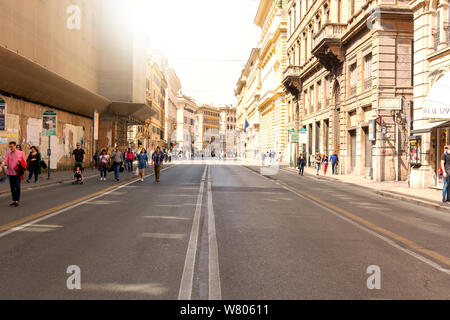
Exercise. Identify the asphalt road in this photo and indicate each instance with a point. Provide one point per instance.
(218, 231)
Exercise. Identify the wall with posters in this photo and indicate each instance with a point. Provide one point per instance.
(23, 124)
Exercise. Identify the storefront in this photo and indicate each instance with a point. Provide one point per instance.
(430, 135)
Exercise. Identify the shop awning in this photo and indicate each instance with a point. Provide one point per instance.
(27, 79)
(429, 126)
(437, 103)
(133, 113)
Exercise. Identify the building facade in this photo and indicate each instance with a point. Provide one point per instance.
(207, 138)
(272, 18)
(349, 81)
(227, 131)
(156, 98)
(248, 92)
(430, 119)
(186, 123)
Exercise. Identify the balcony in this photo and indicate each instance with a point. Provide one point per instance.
(291, 80)
(436, 39)
(327, 44)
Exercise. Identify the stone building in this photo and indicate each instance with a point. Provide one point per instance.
(272, 106)
(248, 91)
(431, 115)
(349, 65)
(227, 130)
(51, 60)
(207, 136)
(156, 99)
(186, 123)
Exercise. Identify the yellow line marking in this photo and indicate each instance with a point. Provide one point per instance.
(59, 207)
(411, 244)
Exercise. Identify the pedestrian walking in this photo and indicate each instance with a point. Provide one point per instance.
(263, 158)
(34, 164)
(117, 160)
(318, 161)
(129, 158)
(95, 159)
(170, 156)
(334, 162)
(142, 163)
(157, 162)
(17, 165)
(301, 163)
(325, 163)
(104, 164)
(79, 156)
(445, 164)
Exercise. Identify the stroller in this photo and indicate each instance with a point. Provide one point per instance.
(78, 173)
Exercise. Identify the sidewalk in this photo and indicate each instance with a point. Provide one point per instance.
(55, 178)
(398, 190)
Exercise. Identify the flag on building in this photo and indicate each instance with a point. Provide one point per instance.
(246, 125)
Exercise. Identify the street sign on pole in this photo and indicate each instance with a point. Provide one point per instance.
(49, 126)
(49, 123)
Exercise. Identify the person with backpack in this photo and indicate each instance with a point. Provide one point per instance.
(445, 164)
(117, 159)
(334, 162)
(157, 162)
(16, 163)
(301, 163)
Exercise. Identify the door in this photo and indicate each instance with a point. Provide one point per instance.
(367, 153)
(353, 149)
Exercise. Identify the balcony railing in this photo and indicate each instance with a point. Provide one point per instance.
(436, 39)
(292, 71)
(448, 34)
(367, 84)
(329, 31)
(353, 91)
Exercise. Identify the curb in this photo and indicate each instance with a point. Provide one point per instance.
(43, 185)
(389, 194)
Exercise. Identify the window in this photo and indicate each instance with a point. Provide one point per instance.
(368, 71)
(319, 95)
(353, 79)
(339, 11)
(312, 100)
(436, 30)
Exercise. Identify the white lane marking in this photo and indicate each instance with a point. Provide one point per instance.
(166, 217)
(20, 227)
(177, 236)
(215, 291)
(361, 227)
(189, 264)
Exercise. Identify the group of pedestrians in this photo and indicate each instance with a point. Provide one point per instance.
(15, 164)
(120, 161)
(270, 156)
(319, 161)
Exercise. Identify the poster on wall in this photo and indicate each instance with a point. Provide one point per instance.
(49, 123)
(2, 114)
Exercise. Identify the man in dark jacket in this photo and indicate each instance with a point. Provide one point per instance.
(301, 163)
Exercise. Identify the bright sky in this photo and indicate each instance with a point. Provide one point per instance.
(206, 41)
